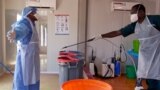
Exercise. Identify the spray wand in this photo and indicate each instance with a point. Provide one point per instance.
(79, 43)
(6, 68)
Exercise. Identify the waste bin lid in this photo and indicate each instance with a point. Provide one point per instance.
(67, 59)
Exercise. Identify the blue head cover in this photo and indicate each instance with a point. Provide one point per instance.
(28, 10)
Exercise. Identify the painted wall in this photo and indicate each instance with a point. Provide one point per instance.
(1, 30)
(56, 42)
(76, 10)
(12, 8)
(1, 53)
(82, 24)
(15, 4)
(102, 20)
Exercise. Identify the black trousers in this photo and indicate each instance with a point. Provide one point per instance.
(153, 84)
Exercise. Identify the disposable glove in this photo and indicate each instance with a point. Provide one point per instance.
(11, 35)
(98, 37)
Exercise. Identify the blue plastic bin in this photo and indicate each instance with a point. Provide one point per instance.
(68, 68)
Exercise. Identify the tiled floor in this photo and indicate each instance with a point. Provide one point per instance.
(43, 63)
(121, 83)
(43, 59)
(50, 82)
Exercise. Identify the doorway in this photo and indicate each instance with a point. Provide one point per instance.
(42, 28)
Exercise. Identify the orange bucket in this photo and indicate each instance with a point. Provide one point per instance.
(85, 84)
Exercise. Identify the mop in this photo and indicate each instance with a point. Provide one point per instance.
(6, 68)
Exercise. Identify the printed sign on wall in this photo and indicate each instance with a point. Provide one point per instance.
(62, 24)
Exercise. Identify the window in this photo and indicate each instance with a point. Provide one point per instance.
(43, 35)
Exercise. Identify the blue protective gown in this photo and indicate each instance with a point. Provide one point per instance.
(27, 69)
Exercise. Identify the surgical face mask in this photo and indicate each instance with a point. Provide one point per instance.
(37, 16)
(134, 17)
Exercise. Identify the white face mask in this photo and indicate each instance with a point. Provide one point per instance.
(37, 16)
(134, 17)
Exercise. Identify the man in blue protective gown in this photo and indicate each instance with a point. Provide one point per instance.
(27, 68)
(147, 30)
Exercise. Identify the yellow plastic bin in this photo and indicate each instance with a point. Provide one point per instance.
(85, 84)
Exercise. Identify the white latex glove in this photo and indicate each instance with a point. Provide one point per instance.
(138, 88)
(98, 37)
(11, 35)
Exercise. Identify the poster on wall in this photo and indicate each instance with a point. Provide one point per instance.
(62, 24)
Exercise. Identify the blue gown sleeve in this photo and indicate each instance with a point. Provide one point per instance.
(21, 31)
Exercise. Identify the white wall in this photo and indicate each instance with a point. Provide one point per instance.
(56, 42)
(82, 24)
(12, 7)
(1, 52)
(102, 20)
(15, 4)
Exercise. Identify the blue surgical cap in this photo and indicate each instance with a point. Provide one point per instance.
(28, 10)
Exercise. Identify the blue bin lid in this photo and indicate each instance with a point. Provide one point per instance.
(132, 53)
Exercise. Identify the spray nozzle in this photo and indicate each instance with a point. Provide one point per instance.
(64, 47)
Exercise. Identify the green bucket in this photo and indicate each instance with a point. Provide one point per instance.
(130, 72)
(136, 44)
